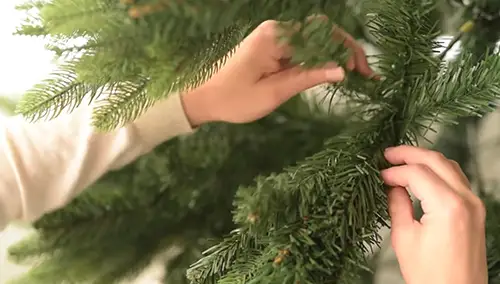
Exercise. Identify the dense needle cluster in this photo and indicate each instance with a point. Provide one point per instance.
(293, 198)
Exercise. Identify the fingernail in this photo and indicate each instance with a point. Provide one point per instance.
(335, 74)
(388, 149)
(376, 77)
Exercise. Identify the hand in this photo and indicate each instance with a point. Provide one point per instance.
(257, 79)
(448, 245)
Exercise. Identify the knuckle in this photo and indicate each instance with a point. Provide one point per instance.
(274, 65)
(437, 156)
(480, 209)
(400, 239)
(458, 208)
(454, 163)
(420, 169)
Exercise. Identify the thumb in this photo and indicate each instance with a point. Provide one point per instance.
(287, 83)
(400, 210)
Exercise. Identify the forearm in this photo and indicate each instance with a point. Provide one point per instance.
(44, 165)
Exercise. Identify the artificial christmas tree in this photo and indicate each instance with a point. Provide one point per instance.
(303, 186)
(478, 34)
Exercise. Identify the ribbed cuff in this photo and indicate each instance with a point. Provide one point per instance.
(163, 121)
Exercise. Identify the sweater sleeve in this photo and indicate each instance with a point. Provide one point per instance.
(46, 164)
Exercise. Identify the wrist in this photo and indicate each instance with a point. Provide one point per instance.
(198, 106)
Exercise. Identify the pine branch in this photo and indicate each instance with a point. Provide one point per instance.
(82, 18)
(466, 88)
(223, 254)
(175, 269)
(337, 194)
(178, 47)
(32, 24)
(331, 243)
(127, 102)
(118, 225)
(104, 62)
(62, 92)
(312, 222)
(180, 69)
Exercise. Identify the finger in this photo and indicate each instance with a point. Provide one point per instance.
(289, 82)
(285, 31)
(338, 34)
(400, 209)
(316, 17)
(351, 63)
(263, 49)
(429, 188)
(459, 170)
(285, 51)
(361, 62)
(436, 161)
(358, 57)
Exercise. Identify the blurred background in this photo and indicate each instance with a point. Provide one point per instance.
(23, 63)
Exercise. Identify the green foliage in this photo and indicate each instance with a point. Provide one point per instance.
(180, 194)
(485, 34)
(339, 201)
(137, 61)
(306, 200)
(457, 141)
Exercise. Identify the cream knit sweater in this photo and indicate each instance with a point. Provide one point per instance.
(46, 164)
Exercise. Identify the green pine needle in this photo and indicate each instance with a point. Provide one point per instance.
(307, 202)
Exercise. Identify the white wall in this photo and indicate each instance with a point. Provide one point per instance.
(23, 60)
(23, 63)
